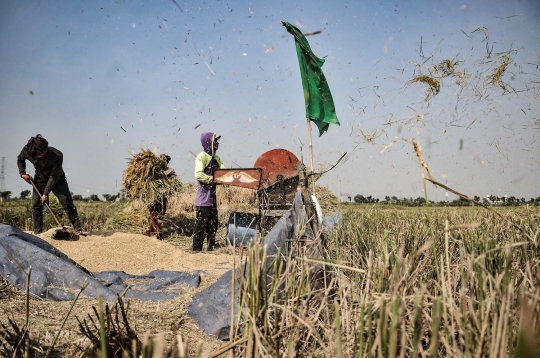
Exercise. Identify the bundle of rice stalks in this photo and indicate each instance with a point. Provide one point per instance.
(446, 68)
(496, 77)
(145, 178)
(434, 85)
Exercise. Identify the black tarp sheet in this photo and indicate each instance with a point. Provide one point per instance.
(55, 276)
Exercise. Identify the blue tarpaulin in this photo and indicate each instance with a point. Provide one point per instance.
(55, 276)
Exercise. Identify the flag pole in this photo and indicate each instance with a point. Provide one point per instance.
(306, 195)
(310, 151)
(310, 144)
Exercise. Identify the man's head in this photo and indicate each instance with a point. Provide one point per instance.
(37, 146)
(166, 157)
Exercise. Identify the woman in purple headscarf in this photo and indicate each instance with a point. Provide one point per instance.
(206, 221)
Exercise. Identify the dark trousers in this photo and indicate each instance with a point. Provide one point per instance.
(61, 191)
(206, 224)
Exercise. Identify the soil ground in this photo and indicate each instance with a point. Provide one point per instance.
(133, 254)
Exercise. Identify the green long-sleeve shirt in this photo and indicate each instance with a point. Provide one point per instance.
(50, 166)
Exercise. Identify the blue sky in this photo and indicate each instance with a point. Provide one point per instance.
(109, 78)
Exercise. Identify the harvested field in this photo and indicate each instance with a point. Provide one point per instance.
(133, 254)
(407, 281)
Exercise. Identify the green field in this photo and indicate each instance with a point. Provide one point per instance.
(407, 282)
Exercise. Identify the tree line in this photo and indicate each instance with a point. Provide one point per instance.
(27, 194)
(421, 201)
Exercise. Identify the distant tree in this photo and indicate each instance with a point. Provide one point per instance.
(464, 202)
(5, 195)
(387, 199)
(78, 197)
(94, 197)
(349, 197)
(477, 198)
(406, 202)
(122, 194)
(109, 197)
(359, 199)
(25, 193)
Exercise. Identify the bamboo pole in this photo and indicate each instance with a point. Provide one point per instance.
(310, 144)
(310, 152)
(306, 198)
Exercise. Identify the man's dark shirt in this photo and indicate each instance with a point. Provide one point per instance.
(49, 167)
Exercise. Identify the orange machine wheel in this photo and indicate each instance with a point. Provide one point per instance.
(277, 164)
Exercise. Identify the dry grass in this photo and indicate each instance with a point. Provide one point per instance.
(446, 68)
(415, 282)
(161, 321)
(180, 216)
(133, 218)
(435, 282)
(327, 199)
(434, 85)
(405, 283)
(7, 290)
(496, 77)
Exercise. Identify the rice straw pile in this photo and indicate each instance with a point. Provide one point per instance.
(134, 218)
(144, 178)
(327, 199)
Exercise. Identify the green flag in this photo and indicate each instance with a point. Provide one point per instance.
(319, 103)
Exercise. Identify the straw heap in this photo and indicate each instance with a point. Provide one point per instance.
(134, 218)
(144, 178)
